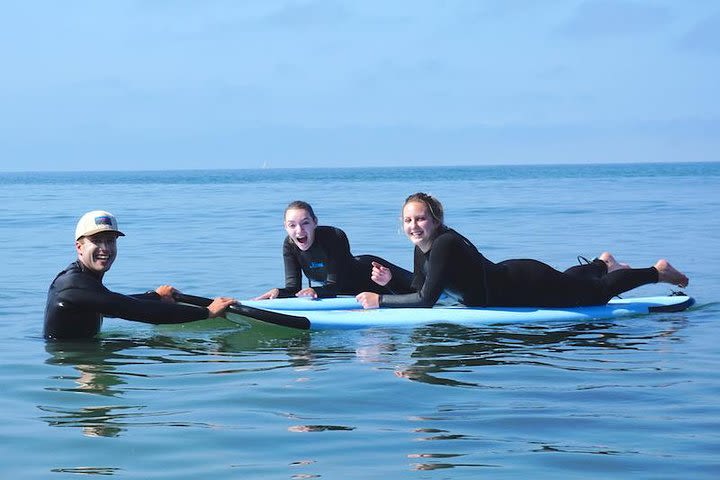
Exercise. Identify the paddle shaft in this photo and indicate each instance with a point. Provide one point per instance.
(292, 321)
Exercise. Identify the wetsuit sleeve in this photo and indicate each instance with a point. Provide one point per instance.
(293, 270)
(429, 286)
(128, 307)
(337, 247)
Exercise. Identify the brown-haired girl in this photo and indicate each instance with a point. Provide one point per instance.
(323, 254)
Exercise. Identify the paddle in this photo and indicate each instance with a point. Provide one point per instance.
(267, 316)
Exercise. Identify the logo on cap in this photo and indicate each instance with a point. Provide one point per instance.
(104, 220)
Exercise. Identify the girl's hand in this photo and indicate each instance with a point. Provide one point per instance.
(307, 292)
(368, 300)
(269, 295)
(380, 274)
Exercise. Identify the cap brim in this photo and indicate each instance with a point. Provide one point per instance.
(100, 230)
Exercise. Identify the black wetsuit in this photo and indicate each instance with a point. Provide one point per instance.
(454, 266)
(329, 262)
(77, 301)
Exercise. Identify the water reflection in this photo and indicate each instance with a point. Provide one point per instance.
(320, 428)
(533, 380)
(296, 344)
(448, 349)
(93, 360)
(98, 365)
(106, 371)
(113, 368)
(88, 470)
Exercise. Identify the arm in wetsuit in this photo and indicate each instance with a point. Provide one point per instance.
(77, 302)
(293, 270)
(427, 283)
(452, 265)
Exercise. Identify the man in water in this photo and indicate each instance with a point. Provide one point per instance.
(78, 300)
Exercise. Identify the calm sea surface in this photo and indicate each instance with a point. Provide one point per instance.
(628, 398)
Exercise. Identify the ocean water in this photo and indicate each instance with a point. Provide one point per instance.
(626, 398)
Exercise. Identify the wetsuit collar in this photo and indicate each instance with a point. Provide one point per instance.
(84, 269)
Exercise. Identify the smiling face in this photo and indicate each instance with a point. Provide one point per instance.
(300, 227)
(419, 226)
(97, 252)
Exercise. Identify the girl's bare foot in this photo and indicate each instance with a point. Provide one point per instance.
(611, 263)
(669, 274)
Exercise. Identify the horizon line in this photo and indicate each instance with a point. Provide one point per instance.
(357, 167)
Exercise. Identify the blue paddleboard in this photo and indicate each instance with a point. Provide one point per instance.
(346, 313)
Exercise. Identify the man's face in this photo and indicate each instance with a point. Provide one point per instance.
(97, 252)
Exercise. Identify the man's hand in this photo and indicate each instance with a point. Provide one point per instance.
(219, 305)
(167, 293)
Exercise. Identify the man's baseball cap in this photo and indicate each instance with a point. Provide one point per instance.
(95, 222)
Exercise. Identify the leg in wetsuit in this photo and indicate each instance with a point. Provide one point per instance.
(595, 269)
(534, 283)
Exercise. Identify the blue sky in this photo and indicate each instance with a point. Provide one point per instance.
(180, 84)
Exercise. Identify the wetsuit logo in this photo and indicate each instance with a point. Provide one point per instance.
(317, 265)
